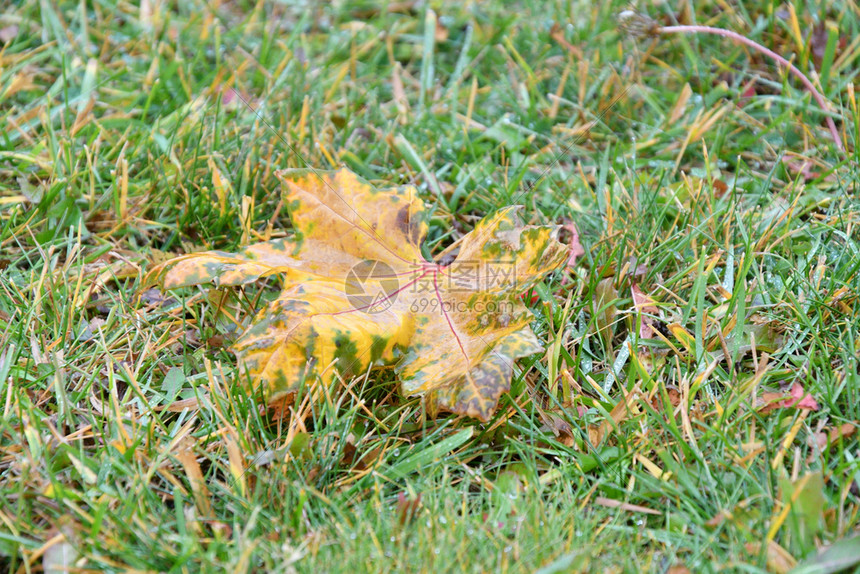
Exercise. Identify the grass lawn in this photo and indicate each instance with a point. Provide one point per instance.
(697, 405)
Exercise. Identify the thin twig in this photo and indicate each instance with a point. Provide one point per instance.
(822, 102)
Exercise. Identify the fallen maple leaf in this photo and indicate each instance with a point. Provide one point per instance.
(358, 293)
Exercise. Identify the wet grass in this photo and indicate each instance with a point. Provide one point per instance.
(693, 170)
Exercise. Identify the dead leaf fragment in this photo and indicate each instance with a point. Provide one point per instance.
(407, 507)
(777, 558)
(441, 32)
(644, 306)
(826, 439)
(574, 247)
(800, 399)
(8, 33)
(620, 412)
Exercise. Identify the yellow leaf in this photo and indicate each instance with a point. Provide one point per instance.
(357, 293)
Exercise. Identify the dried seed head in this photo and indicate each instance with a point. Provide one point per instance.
(637, 25)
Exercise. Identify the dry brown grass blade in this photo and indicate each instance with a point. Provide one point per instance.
(185, 455)
(612, 503)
